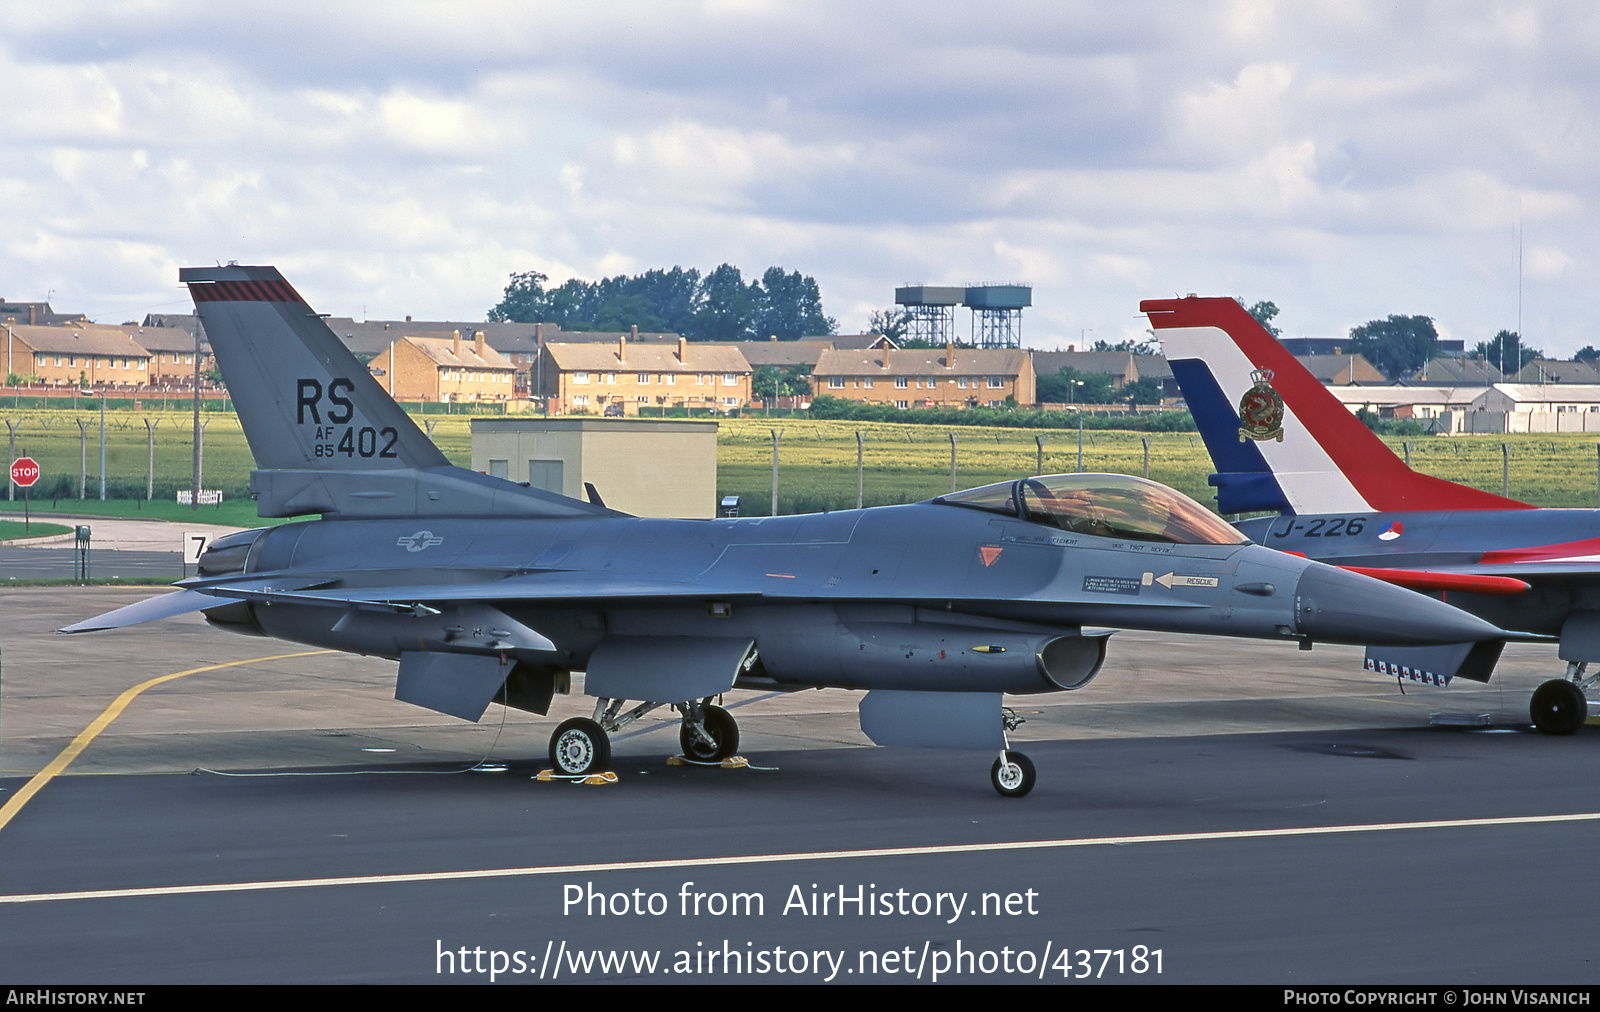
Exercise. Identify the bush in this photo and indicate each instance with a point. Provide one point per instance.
(1018, 418)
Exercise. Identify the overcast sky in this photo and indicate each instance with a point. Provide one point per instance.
(1347, 160)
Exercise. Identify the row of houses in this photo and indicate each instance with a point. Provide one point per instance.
(622, 374)
(1499, 407)
(79, 353)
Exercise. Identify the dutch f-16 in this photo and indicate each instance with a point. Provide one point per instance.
(485, 590)
(1282, 442)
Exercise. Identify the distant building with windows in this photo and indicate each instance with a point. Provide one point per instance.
(444, 370)
(927, 377)
(85, 354)
(619, 378)
(37, 314)
(171, 351)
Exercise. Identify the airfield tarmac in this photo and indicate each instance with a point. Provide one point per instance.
(1207, 810)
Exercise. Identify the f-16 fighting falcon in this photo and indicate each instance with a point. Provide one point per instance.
(485, 590)
(1346, 499)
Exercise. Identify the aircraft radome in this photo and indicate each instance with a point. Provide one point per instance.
(485, 590)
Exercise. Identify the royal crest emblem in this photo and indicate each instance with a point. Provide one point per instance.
(1261, 409)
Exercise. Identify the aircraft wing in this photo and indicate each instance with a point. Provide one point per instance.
(421, 599)
(543, 587)
(197, 595)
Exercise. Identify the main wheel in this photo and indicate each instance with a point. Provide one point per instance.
(1558, 707)
(1013, 775)
(720, 727)
(579, 747)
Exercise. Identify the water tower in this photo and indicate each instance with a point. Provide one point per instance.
(933, 311)
(997, 313)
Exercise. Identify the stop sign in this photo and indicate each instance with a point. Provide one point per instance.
(24, 471)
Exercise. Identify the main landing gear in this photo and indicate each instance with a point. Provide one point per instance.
(1012, 774)
(582, 745)
(1559, 706)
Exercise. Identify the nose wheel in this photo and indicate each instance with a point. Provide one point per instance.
(1012, 774)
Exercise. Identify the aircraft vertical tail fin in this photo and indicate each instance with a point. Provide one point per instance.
(325, 436)
(298, 390)
(1279, 439)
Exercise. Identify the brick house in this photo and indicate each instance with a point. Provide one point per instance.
(619, 378)
(927, 377)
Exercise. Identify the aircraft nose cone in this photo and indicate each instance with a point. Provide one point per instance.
(1338, 606)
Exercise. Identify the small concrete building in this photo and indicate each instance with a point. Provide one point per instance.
(645, 467)
(1537, 407)
(1440, 408)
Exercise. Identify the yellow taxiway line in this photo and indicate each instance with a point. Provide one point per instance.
(100, 723)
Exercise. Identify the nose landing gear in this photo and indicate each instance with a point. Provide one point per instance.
(1012, 773)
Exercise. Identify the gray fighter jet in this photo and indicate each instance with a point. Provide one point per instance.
(488, 591)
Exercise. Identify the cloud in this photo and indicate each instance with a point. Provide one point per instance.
(1343, 159)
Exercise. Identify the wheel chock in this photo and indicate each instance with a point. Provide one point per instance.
(592, 779)
(733, 762)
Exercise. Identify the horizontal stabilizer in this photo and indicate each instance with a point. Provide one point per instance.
(149, 610)
(1241, 492)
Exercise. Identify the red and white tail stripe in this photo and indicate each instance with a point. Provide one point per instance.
(1328, 461)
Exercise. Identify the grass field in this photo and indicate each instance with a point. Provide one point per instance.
(17, 529)
(817, 461)
(904, 463)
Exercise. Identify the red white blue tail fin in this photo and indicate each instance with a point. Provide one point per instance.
(1279, 439)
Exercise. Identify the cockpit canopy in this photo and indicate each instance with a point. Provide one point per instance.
(1102, 505)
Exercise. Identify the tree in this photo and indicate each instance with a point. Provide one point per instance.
(790, 307)
(1506, 352)
(1397, 346)
(574, 305)
(1144, 390)
(623, 311)
(1264, 312)
(774, 381)
(525, 300)
(891, 323)
(674, 297)
(1145, 347)
(728, 307)
(718, 307)
(1069, 386)
(1587, 354)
